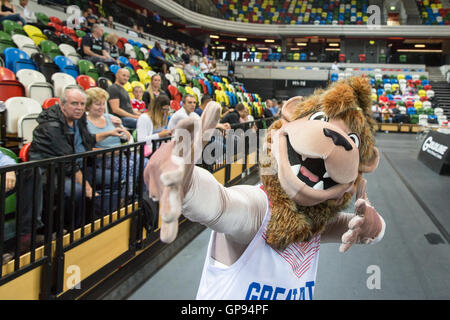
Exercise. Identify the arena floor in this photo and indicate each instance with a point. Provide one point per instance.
(412, 260)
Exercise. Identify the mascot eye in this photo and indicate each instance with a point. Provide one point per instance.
(321, 116)
(355, 138)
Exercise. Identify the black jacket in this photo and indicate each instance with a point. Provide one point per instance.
(231, 118)
(52, 137)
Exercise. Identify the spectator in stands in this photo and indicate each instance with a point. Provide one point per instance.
(141, 20)
(276, 108)
(170, 57)
(110, 22)
(93, 48)
(111, 48)
(205, 99)
(91, 18)
(383, 98)
(268, 109)
(186, 55)
(83, 21)
(197, 69)
(151, 124)
(119, 100)
(204, 65)
(186, 111)
(24, 10)
(189, 70)
(213, 66)
(134, 32)
(62, 131)
(153, 91)
(386, 113)
(234, 115)
(376, 111)
(178, 62)
(156, 58)
(98, 122)
(8, 12)
(101, 20)
(205, 50)
(26, 193)
(138, 105)
(335, 66)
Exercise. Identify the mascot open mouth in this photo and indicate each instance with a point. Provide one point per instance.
(310, 171)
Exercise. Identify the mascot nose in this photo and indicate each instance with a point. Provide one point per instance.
(337, 138)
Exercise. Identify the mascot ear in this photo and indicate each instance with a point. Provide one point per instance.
(290, 107)
(372, 164)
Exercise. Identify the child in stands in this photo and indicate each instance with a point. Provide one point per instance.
(137, 103)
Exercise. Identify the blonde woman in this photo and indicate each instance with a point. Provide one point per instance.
(99, 122)
(150, 125)
(111, 47)
(153, 91)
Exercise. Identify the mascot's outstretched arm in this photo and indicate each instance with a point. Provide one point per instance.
(180, 186)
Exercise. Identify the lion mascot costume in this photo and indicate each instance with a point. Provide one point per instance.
(266, 239)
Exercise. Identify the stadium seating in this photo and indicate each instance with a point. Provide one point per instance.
(18, 107)
(317, 12)
(86, 82)
(35, 85)
(25, 44)
(5, 41)
(87, 68)
(60, 81)
(432, 12)
(34, 33)
(45, 64)
(16, 59)
(50, 102)
(66, 65)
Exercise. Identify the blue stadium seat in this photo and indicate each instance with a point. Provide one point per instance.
(67, 66)
(125, 61)
(114, 68)
(16, 59)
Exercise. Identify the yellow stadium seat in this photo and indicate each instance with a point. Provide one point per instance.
(182, 76)
(143, 76)
(137, 84)
(34, 33)
(144, 65)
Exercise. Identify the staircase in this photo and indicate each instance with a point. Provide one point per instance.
(412, 12)
(442, 96)
(435, 74)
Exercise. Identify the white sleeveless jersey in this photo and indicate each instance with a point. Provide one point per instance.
(263, 273)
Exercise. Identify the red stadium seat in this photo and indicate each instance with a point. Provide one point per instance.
(55, 20)
(23, 153)
(86, 82)
(175, 105)
(9, 89)
(58, 27)
(173, 91)
(49, 102)
(135, 64)
(6, 74)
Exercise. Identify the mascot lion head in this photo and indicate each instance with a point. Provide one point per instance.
(314, 158)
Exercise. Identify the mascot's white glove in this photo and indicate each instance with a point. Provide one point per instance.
(367, 226)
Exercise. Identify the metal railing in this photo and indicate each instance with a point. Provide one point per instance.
(49, 211)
